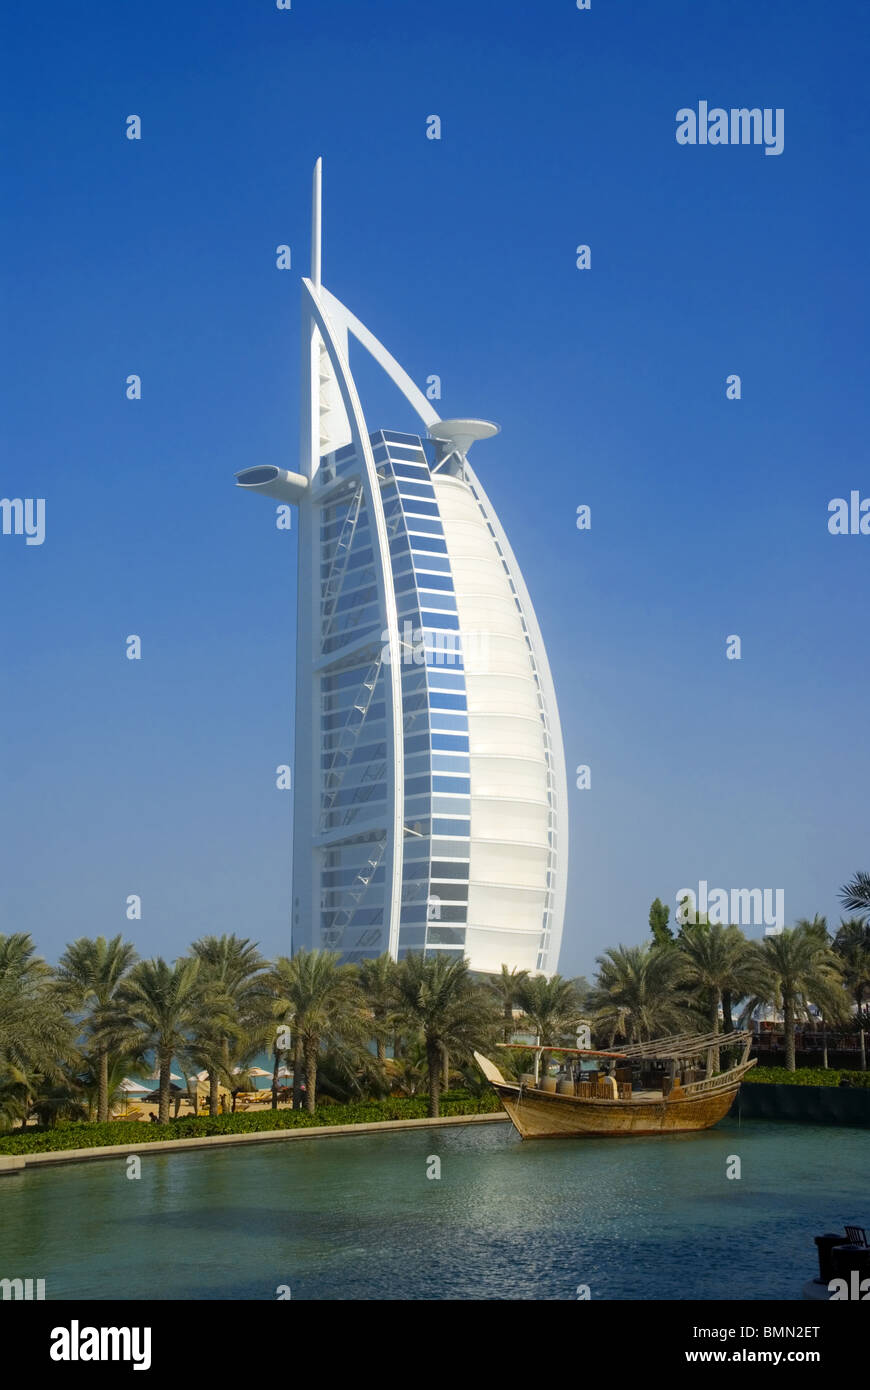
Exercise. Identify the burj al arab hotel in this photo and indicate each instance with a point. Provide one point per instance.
(430, 794)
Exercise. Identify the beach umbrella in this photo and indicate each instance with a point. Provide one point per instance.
(131, 1088)
(155, 1076)
(258, 1071)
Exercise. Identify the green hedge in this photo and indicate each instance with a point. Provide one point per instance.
(96, 1136)
(806, 1076)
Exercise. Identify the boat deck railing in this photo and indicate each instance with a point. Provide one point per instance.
(584, 1090)
(715, 1083)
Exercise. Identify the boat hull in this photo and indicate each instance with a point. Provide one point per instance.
(542, 1115)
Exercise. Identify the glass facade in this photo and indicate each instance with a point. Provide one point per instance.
(356, 750)
(354, 760)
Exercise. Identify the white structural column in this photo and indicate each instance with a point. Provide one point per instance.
(387, 597)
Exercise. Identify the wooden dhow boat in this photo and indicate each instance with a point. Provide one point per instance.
(636, 1100)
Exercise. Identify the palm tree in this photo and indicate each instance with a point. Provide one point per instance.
(438, 998)
(377, 978)
(234, 969)
(638, 993)
(506, 988)
(407, 1074)
(282, 981)
(798, 967)
(852, 947)
(717, 962)
(61, 1099)
(553, 1011)
(322, 1003)
(855, 895)
(347, 1072)
(35, 1035)
(161, 1008)
(89, 975)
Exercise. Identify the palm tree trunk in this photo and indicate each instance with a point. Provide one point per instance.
(508, 1020)
(727, 1017)
(445, 1085)
(103, 1095)
(788, 1024)
(859, 1000)
(713, 1052)
(297, 1072)
(165, 1082)
(434, 1062)
(381, 1046)
(310, 1074)
(277, 1055)
(212, 1091)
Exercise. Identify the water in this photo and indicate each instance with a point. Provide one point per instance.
(357, 1218)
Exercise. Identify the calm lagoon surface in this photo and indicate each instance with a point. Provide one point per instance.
(357, 1218)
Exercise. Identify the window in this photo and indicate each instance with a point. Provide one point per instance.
(417, 742)
(410, 470)
(444, 868)
(445, 680)
(418, 870)
(415, 785)
(413, 913)
(415, 508)
(411, 937)
(442, 699)
(457, 786)
(456, 849)
(449, 722)
(457, 892)
(451, 827)
(444, 653)
(450, 805)
(431, 543)
(434, 563)
(446, 621)
(445, 936)
(444, 743)
(451, 762)
(441, 582)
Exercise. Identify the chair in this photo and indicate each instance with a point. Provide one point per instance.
(856, 1235)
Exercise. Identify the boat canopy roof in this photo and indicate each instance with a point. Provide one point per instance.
(681, 1046)
(686, 1044)
(574, 1051)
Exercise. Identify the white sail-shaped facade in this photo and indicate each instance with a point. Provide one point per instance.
(429, 782)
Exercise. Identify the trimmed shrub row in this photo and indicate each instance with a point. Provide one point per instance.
(806, 1076)
(96, 1136)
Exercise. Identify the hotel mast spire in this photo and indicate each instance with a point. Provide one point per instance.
(315, 224)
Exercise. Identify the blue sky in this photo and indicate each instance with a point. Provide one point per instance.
(709, 516)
